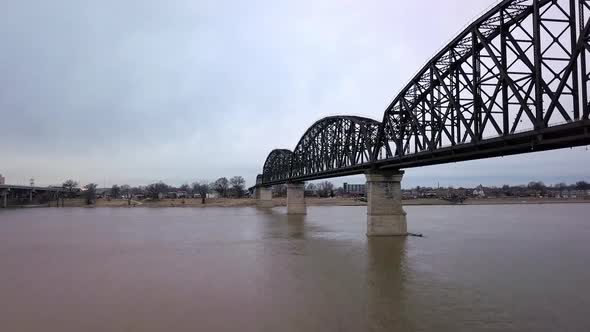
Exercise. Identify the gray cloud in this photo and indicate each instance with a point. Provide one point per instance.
(137, 91)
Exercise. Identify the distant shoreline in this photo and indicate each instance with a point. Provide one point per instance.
(311, 201)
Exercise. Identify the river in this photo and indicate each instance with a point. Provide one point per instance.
(478, 268)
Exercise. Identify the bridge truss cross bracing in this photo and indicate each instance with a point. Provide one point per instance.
(514, 81)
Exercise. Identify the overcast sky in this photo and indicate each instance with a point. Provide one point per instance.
(122, 91)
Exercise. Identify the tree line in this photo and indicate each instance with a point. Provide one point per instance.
(233, 187)
(320, 189)
(533, 185)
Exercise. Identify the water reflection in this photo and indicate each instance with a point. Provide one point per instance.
(479, 268)
(296, 227)
(336, 274)
(277, 224)
(386, 278)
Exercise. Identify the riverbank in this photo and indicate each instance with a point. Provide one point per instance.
(311, 201)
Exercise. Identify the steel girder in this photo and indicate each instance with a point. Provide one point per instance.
(277, 166)
(515, 80)
(331, 143)
(519, 67)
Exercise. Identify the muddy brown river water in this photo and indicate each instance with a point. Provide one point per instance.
(478, 268)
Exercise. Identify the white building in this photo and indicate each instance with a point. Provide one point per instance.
(2, 179)
(354, 189)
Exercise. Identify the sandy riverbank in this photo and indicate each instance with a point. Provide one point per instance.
(339, 201)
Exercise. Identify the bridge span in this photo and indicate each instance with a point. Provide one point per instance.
(514, 81)
(25, 194)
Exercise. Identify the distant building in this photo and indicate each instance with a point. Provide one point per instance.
(2, 179)
(409, 194)
(102, 192)
(310, 193)
(354, 189)
(177, 194)
(430, 194)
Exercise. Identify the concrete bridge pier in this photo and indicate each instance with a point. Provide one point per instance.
(385, 214)
(4, 199)
(296, 198)
(264, 197)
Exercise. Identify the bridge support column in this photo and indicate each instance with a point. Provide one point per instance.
(385, 214)
(4, 199)
(264, 197)
(296, 198)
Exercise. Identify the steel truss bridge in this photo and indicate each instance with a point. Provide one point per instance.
(514, 81)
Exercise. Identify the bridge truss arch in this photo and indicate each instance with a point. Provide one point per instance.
(516, 80)
(520, 67)
(277, 166)
(335, 142)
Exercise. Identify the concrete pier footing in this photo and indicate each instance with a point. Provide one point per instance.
(296, 198)
(385, 214)
(264, 197)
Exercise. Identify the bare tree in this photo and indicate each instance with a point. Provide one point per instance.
(186, 188)
(325, 189)
(221, 186)
(115, 191)
(537, 186)
(126, 191)
(70, 184)
(237, 184)
(202, 189)
(155, 189)
(141, 190)
(90, 193)
(310, 189)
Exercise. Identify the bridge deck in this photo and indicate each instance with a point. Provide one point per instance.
(19, 187)
(560, 136)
